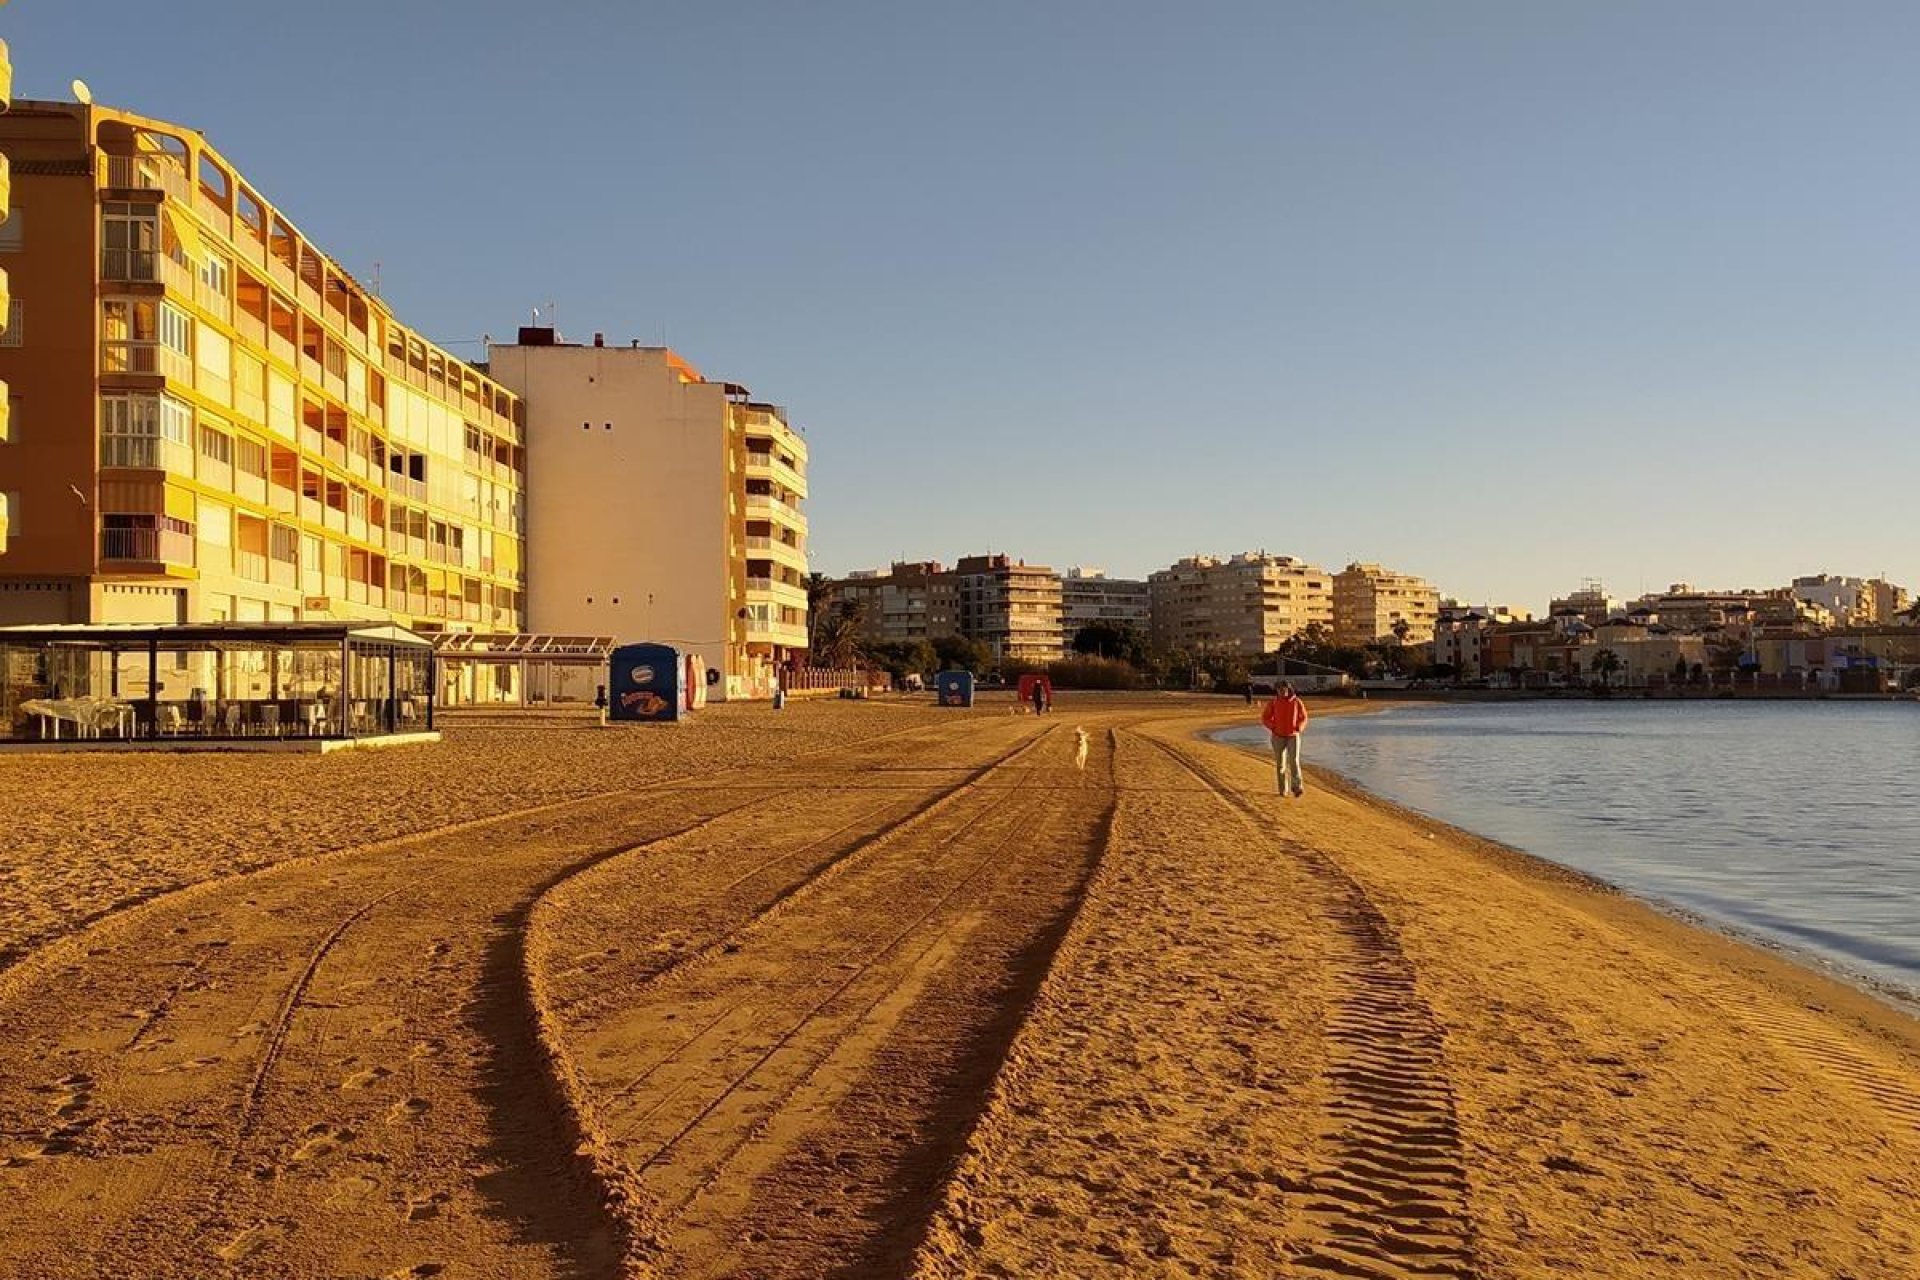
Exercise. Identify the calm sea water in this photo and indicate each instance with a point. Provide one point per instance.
(1798, 822)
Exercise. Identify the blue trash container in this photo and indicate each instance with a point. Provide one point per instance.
(644, 683)
(953, 688)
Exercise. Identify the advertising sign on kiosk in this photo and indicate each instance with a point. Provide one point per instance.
(953, 688)
(648, 682)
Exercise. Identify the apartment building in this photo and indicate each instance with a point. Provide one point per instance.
(1247, 604)
(1371, 604)
(1011, 606)
(1853, 602)
(1590, 603)
(1088, 595)
(212, 419)
(911, 601)
(664, 506)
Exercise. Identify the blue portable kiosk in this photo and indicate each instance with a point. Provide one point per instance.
(953, 688)
(644, 682)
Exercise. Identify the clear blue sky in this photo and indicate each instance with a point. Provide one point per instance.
(1507, 294)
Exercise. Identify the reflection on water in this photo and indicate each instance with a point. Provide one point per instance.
(1796, 821)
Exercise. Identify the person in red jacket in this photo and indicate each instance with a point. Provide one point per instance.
(1286, 719)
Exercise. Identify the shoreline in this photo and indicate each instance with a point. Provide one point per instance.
(1900, 997)
(1338, 1035)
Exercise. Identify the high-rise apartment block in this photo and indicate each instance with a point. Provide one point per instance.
(214, 420)
(1856, 602)
(1371, 604)
(1247, 604)
(1590, 603)
(912, 600)
(662, 506)
(1011, 607)
(1089, 596)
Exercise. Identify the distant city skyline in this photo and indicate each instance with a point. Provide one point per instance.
(1502, 295)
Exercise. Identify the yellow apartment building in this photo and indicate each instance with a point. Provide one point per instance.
(1371, 603)
(696, 535)
(1247, 604)
(214, 420)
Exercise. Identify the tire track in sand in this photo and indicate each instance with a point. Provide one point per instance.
(1394, 1202)
(782, 1026)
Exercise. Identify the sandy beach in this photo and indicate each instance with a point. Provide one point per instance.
(879, 990)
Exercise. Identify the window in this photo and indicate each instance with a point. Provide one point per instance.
(9, 517)
(130, 235)
(283, 544)
(216, 446)
(8, 412)
(250, 457)
(176, 421)
(176, 329)
(16, 334)
(13, 231)
(215, 275)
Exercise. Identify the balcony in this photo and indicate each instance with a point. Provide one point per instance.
(142, 266)
(774, 589)
(769, 466)
(147, 546)
(146, 173)
(763, 631)
(784, 552)
(127, 356)
(146, 453)
(250, 565)
(210, 213)
(767, 507)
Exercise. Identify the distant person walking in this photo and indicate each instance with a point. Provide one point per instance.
(1286, 719)
(1039, 698)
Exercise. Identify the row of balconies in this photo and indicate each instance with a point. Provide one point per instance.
(769, 466)
(480, 401)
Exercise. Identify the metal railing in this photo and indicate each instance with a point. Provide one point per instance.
(150, 545)
(146, 173)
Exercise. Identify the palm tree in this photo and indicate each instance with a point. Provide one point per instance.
(836, 640)
(1605, 663)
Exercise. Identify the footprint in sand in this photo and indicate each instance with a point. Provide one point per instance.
(408, 1109)
(250, 1241)
(322, 1140)
(422, 1207)
(365, 1079)
(418, 1271)
(428, 1048)
(351, 1190)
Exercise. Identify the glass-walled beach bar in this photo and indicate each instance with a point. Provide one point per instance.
(226, 682)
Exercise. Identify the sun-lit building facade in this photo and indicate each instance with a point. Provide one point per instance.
(1244, 604)
(663, 506)
(1371, 603)
(215, 420)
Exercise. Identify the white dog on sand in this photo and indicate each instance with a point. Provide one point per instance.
(1080, 749)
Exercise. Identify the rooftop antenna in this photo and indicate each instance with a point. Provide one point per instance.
(376, 279)
(82, 94)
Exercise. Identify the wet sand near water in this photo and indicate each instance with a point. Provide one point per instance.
(882, 991)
